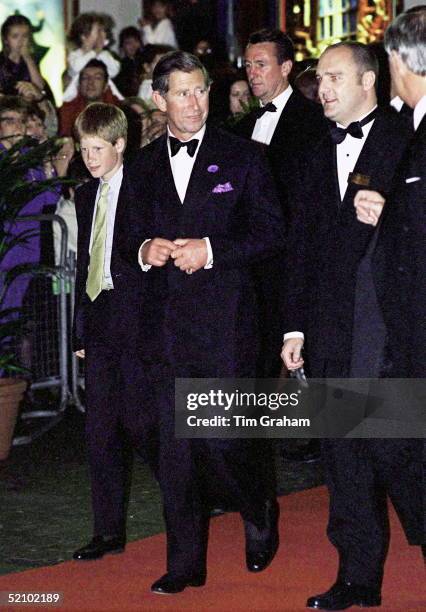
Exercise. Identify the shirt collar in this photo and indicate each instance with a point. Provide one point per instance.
(397, 103)
(199, 135)
(419, 112)
(360, 118)
(115, 181)
(281, 100)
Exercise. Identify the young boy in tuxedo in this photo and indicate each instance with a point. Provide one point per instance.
(105, 329)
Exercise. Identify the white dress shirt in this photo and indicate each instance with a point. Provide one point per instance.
(78, 59)
(397, 103)
(419, 112)
(182, 165)
(347, 153)
(162, 34)
(145, 91)
(264, 127)
(113, 193)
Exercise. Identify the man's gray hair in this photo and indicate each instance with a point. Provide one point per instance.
(407, 36)
(176, 61)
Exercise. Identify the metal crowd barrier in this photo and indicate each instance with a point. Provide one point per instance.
(45, 345)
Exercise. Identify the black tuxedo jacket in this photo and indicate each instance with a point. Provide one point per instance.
(399, 264)
(300, 125)
(327, 242)
(205, 323)
(114, 316)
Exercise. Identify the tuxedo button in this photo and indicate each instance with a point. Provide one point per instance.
(405, 228)
(401, 269)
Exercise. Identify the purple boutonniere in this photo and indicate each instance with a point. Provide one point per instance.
(213, 168)
(223, 188)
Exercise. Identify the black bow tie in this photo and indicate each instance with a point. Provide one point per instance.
(175, 145)
(338, 134)
(268, 108)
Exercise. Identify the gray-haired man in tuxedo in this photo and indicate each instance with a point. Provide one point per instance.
(207, 211)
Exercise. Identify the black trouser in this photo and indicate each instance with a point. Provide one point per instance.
(119, 416)
(191, 473)
(360, 475)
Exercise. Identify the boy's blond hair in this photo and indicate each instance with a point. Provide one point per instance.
(104, 121)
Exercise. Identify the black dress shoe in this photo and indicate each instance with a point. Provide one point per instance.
(262, 542)
(343, 595)
(167, 585)
(100, 546)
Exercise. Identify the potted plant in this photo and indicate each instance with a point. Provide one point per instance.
(15, 192)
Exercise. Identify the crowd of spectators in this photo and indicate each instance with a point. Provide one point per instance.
(96, 73)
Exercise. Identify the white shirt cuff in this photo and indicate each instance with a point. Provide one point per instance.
(145, 267)
(209, 263)
(294, 334)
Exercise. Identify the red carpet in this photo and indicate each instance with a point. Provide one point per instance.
(304, 565)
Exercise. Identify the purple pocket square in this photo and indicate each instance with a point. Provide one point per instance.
(223, 188)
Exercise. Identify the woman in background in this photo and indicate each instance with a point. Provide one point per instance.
(130, 75)
(17, 65)
(239, 95)
(230, 99)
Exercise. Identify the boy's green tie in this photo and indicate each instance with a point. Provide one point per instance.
(95, 275)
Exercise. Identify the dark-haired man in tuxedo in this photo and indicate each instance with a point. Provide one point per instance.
(286, 123)
(207, 212)
(327, 245)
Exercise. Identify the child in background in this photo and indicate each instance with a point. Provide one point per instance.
(88, 34)
(128, 79)
(36, 127)
(150, 56)
(158, 29)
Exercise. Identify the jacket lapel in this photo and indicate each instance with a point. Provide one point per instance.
(88, 211)
(289, 121)
(282, 125)
(367, 172)
(325, 162)
(124, 194)
(246, 126)
(164, 184)
(203, 181)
